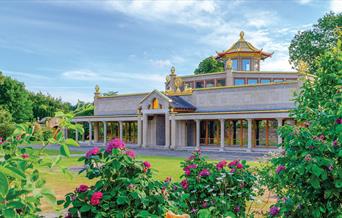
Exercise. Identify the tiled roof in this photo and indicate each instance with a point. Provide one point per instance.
(179, 103)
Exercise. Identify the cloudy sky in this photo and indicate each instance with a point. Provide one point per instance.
(65, 48)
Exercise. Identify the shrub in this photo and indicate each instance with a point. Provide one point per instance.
(21, 185)
(124, 186)
(307, 175)
(7, 125)
(214, 190)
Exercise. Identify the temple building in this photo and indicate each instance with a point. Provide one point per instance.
(239, 108)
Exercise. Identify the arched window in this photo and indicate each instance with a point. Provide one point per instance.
(155, 104)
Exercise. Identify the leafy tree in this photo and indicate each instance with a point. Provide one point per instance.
(47, 106)
(209, 65)
(307, 176)
(6, 124)
(110, 93)
(15, 98)
(310, 44)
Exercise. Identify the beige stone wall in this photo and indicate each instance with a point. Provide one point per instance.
(125, 104)
(261, 97)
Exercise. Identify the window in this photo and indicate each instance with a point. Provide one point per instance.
(239, 82)
(278, 80)
(246, 64)
(188, 85)
(252, 81)
(155, 104)
(235, 64)
(199, 84)
(220, 82)
(264, 81)
(210, 83)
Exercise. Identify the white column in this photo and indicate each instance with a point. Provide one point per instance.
(167, 130)
(90, 134)
(280, 123)
(76, 134)
(249, 121)
(222, 134)
(104, 132)
(120, 130)
(173, 132)
(198, 134)
(139, 131)
(145, 125)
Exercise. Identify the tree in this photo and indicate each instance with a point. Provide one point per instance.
(47, 106)
(15, 98)
(110, 93)
(6, 124)
(310, 44)
(209, 65)
(307, 175)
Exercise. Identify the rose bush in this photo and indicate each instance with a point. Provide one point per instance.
(124, 187)
(307, 175)
(21, 185)
(214, 190)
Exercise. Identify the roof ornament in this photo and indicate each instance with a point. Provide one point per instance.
(302, 67)
(97, 91)
(242, 34)
(173, 70)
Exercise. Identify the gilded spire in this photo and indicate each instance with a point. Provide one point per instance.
(242, 34)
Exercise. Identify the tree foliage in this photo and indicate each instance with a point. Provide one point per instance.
(6, 123)
(310, 44)
(46, 105)
(15, 98)
(209, 65)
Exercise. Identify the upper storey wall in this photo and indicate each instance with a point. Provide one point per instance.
(260, 97)
(118, 105)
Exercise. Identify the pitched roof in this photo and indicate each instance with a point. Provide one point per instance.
(178, 102)
(242, 46)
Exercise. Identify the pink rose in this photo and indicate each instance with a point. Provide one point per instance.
(115, 144)
(184, 184)
(92, 152)
(239, 166)
(95, 198)
(130, 153)
(147, 165)
(204, 173)
(82, 188)
(233, 163)
(221, 164)
(25, 156)
(280, 168)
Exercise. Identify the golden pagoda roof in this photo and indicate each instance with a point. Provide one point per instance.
(243, 47)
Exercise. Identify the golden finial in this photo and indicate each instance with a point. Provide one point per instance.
(173, 70)
(229, 64)
(302, 67)
(242, 34)
(97, 89)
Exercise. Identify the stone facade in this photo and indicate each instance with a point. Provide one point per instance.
(234, 109)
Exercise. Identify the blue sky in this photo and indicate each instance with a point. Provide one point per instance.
(65, 48)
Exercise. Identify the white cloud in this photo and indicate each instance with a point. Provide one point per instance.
(20, 75)
(303, 2)
(261, 18)
(336, 6)
(161, 62)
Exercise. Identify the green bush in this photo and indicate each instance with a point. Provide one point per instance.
(307, 175)
(6, 124)
(124, 186)
(21, 185)
(214, 190)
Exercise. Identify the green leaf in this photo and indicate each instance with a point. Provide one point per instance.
(316, 170)
(9, 213)
(71, 142)
(3, 185)
(204, 213)
(64, 150)
(49, 196)
(85, 208)
(12, 173)
(314, 181)
(122, 200)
